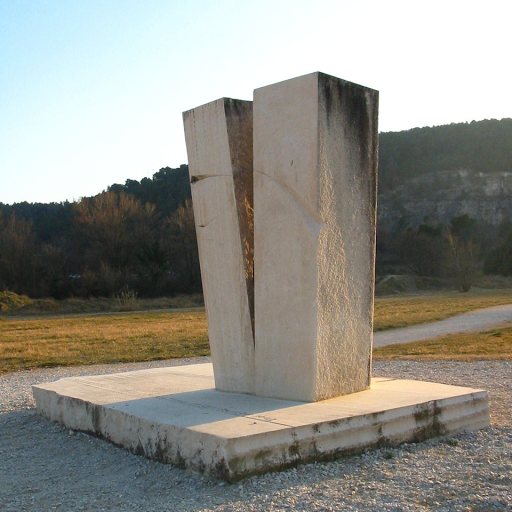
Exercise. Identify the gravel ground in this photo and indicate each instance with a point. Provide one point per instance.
(44, 467)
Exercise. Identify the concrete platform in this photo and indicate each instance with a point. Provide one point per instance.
(175, 415)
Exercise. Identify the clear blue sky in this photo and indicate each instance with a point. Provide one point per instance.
(92, 91)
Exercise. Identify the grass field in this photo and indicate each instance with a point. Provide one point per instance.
(12, 304)
(492, 344)
(101, 339)
(72, 340)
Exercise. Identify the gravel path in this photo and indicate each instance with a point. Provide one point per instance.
(43, 467)
(478, 320)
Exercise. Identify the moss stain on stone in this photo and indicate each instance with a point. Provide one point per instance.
(428, 422)
(294, 450)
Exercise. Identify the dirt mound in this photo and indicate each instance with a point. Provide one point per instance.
(10, 300)
(403, 284)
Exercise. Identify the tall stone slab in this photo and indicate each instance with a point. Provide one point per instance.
(315, 169)
(219, 147)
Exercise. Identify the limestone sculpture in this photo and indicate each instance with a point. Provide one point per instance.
(284, 195)
(289, 302)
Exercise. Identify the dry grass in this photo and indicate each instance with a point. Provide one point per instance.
(122, 302)
(101, 339)
(392, 312)
(39, 342)
(494, 344)
(10, 300)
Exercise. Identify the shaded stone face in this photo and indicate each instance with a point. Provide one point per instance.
(288, 282)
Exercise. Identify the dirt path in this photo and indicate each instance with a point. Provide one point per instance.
(478, 320)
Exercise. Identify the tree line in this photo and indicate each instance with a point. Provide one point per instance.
(112, 242)
(137, 236)
(140, 235)
(482, 146)
(459, 250)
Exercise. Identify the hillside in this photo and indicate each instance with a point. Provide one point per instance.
(437, 197)
(432, 173)
(435, 174)
(139, 237)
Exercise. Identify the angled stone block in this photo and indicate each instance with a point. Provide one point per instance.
(219, 147)
(315, 168)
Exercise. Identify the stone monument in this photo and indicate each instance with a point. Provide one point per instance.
(284, 194)
(310, 296)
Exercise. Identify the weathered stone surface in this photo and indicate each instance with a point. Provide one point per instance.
(219, 146)
(175, 415)
(440, 196)
(315, 165)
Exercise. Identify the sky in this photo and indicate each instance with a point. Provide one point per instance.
(92, 91)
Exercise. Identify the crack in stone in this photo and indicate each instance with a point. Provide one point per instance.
(312, 219)
(208, 223)
(195, 179)
(235, 413)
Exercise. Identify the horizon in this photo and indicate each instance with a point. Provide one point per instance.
(75, 200)
(93, 93)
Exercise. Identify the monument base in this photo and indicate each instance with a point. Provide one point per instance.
(175, 415)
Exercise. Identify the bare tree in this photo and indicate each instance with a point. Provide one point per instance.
(462, 260)
(18, 255)
(114, 226)
(115, 234)
(182, 243)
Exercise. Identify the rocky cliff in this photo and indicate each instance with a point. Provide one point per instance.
(437, 173)
(440, 196)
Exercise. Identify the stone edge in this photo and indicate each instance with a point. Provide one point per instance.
(237, 458)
